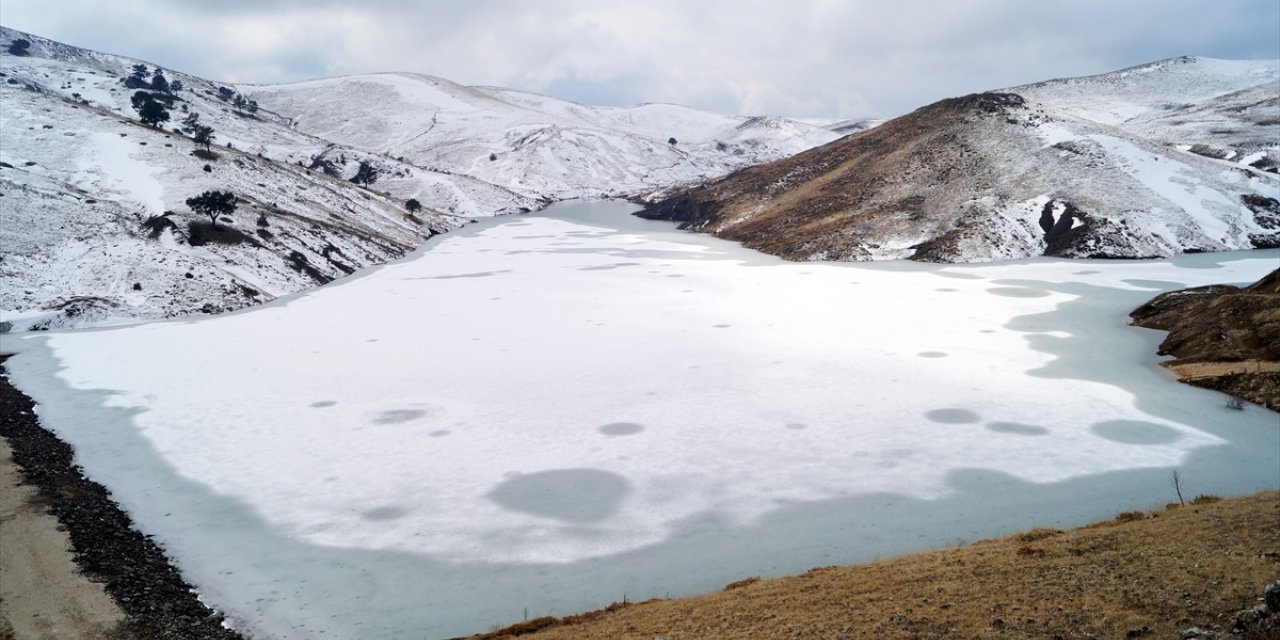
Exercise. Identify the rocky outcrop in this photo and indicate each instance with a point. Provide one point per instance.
(1222, 337)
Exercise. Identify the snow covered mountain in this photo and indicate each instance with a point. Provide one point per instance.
(542, 147)
(95, 226)
(1175, 156)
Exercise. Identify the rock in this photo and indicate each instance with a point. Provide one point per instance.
(1271, 596)
(1223, 337)
(1249, 618)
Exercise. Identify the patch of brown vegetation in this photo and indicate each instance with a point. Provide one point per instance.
(1223, 337)
(1155, 576)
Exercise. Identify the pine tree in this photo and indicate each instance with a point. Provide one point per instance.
(150, 111)
(190, 123)
(203, 134)
(413, 205)
(160, 83)
(138, 78)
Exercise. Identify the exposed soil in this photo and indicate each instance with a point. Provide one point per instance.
(1222, 337)
(157, 603)
(1156, 575)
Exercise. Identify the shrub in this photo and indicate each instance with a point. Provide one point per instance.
(20, 47)
(1235, 403)
(156, 225)
(365, 175)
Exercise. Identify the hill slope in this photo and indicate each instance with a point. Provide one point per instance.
(1107, 166)
(539, 146)
(81, 176)
(1199, 566)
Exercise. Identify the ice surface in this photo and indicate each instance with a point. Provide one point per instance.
(554, 411)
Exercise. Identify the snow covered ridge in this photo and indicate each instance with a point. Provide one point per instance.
(81, 176)
(535, 145)
(1176, 156)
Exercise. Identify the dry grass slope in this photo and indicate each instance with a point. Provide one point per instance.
(1140, 575)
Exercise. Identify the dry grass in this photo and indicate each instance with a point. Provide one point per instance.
(1149, 576)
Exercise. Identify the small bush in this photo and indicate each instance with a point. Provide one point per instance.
(1130, 516)
(1205, 499)
(741, 583)
(156, 225)
(1039, 533)
(20, 47)
(1234, 403)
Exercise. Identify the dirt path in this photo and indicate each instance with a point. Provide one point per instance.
(42, 592)
(92, 530)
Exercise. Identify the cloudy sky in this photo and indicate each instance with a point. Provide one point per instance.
(797, 57)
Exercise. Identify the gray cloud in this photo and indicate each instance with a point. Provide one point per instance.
(805, 57)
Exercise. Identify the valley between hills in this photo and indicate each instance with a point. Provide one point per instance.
(445, 363)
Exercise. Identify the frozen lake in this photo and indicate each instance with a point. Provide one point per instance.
(551, 412)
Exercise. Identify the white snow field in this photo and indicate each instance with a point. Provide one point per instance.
(542, 414)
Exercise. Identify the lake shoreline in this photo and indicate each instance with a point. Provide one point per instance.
(113, 557)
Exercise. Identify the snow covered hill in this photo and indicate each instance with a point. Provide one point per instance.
(539, 146)
(1175, 156)
(81, 176)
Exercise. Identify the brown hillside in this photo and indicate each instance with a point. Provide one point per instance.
(987, 176)
(1142, 575)
(840, 200)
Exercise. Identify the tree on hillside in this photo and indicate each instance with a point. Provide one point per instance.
(203, 134)
(365, 175)
(150, 111)
(238, 102)
(160, 83)
(252, 105)
(213, 204)
(20, 47)
(413, 205)
(175, 86)
(190, 123)
(138, 78)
